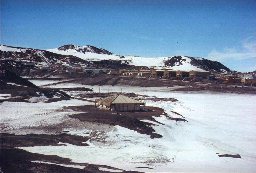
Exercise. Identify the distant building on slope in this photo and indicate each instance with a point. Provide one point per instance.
(249, 79)
(231, 79)
(120, 103)
(166, 73)
(169, 73)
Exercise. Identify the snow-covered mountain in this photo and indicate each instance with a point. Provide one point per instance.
(184, 63)
(90, 56)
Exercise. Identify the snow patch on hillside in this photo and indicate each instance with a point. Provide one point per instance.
(137, 61)
(186, 65)
(146, 61)
(11, 49)
(86, 55)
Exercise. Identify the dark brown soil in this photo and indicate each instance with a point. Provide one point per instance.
(130, 81)
(13, 160)
(11, 140)
(129, 120)
(230, 155)
(19, 161)
(21, 89)
(206, 85)
(23, 93)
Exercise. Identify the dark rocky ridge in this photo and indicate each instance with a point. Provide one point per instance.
(12, 83)
(209, 65)
(36, 62)
(10, 76)
(202, 63)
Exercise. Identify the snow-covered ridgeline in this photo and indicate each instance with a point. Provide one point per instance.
(138, 61)
(11, 49)
(133, 60)
(78, 51)
(84, 56)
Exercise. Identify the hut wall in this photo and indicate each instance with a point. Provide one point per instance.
(185, 74)
(182, 74)
(160, 74)
(166, 74)
(125, 107)
(172, 73)
(249, 81)
(153, 73)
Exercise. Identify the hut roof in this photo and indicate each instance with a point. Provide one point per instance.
(119, 99)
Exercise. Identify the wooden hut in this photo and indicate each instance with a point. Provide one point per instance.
(144, 73)
(182, 74)
(120, 103)
(248, 80)
(168, 73)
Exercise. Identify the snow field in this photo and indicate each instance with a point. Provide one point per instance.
(44, 82)
(16, 115)
(217, 123)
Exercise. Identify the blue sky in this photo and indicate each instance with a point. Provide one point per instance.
(224, 30)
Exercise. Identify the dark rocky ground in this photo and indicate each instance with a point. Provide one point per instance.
(13, 159)
(11, 140)
(203, 85)
(130, 120)
(22, 90)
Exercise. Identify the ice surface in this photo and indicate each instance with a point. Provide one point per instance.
(109, 170)
(66, 85)
(64, 165)
(217, 123)
(16, 115)
(5, 96)
(39, 82)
